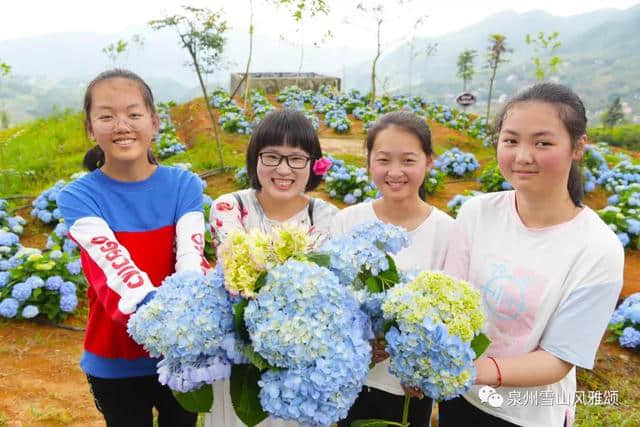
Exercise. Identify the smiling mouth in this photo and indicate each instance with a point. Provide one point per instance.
(395, 184)
(282, 184)
(125, 142)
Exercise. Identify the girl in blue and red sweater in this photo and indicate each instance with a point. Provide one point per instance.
(135, 223)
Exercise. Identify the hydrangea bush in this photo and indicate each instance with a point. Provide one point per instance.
(167, 143)
(491, 179)
(623, 215)
(625, 322)
(45, 206)
(453, 206)
(456, 163)
(47, 283)
(348, 183)
(14, 224)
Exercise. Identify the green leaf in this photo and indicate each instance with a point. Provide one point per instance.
(480, 343)
(319, 258)
(261, 281)
(199, 400)
(255, 358)
(244, 394)
(238, 319)
(373, 285)
(388, 325)
(390, 276)
(373, 423)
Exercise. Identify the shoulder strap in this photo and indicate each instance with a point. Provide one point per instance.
(310, 211)
(239, 200)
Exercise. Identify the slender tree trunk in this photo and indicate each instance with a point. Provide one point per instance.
(493, 76)
(208, 104)
(373, 69)
(411, 65)
(246, 72)
(301, 53)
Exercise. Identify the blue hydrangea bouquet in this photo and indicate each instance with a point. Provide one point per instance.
(271, 317)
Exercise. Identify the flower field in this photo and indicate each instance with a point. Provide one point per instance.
(40, 379)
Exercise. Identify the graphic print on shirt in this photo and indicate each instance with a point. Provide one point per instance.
(511, 296)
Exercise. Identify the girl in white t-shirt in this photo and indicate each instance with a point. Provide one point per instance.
(399, 156)
(548, 268)
(282, 164)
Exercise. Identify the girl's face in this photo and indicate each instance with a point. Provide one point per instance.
(398, 164)
(120, 122)
(283, 181)
(534, 148)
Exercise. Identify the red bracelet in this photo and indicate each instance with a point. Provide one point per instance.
(498, 369)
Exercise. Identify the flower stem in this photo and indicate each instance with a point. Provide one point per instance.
(405, 411)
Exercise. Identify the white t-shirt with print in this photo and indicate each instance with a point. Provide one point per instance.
(225, 217)
(552, 288)
(427, 251)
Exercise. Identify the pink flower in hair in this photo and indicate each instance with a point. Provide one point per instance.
(321, 166)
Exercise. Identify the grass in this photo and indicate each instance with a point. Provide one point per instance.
(40, 153)
(51, 415)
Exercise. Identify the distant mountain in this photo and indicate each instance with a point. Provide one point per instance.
(599, 50)
(53, 70)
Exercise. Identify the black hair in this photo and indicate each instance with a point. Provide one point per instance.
(572, 114)
(284, 127)
(94, 158)
(408, 122)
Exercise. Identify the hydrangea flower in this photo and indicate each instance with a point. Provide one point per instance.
(30, 311)
(365, 247)
(21, 291)
(437, 317)
(67, 288)
(74, 267)
(53, 283)
(245, 256)
(35, 282)
(68, 303)
(4, 278)
(630, 337)
(9, 307)
(190, 323)
(304, 320)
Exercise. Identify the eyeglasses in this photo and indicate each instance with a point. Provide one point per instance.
(294, 161)
(108, 122)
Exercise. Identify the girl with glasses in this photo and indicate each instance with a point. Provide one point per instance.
(125, 206)
(282, 164)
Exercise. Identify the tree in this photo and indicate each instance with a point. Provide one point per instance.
(301, 11)
(5, 69)
(428, 50)
(544, 45)
(201, 32)
(614, 114)
(376, 13)
(119, 48)
(466, 68)
(495, 56)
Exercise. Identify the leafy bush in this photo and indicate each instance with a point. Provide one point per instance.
(627, 136)
(456, 163)
(49, 284)
(491, 179)
(348, 183)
